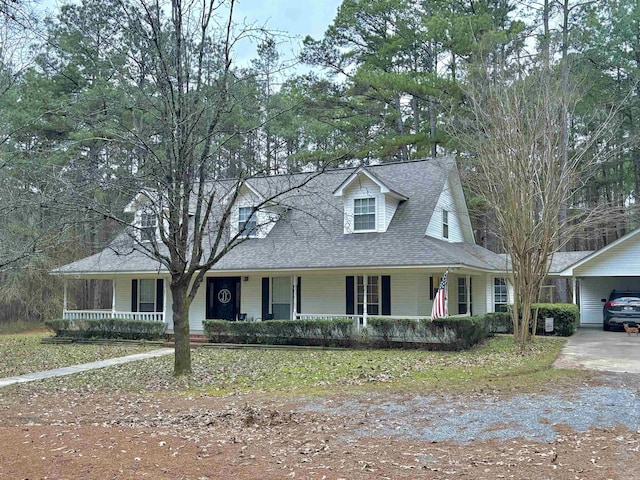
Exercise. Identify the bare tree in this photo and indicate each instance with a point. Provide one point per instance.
(523, 173)
(181, 115)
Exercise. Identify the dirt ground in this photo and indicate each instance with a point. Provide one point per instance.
(72, 435)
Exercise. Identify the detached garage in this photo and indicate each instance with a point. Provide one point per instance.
(614, 267)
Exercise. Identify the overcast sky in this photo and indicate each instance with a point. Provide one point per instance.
(298, 18)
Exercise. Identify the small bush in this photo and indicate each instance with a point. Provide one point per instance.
(108, 328)
(59, 326)
(566, 317)
(499, 322)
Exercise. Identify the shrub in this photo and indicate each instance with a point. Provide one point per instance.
(59, 326)
(108, 328)
(566, 317)
(499, 322)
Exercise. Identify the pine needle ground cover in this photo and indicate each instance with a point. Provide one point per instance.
(497, 364)
(24, 353)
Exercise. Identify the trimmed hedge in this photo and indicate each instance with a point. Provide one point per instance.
(453, 333)
(442, 334)
(566, 317)
(108, 328)
(326, 333)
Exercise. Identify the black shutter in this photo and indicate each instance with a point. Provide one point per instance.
(299, 296)
(350, 289)
(134, 295)
(386, 295)
(430, 288)
(265, 298)
(159, 295)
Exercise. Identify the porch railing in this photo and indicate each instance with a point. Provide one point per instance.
(104, 314)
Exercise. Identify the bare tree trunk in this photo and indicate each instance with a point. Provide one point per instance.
(182, 340)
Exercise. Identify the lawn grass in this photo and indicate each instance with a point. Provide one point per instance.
(23, 353)
(498, 364)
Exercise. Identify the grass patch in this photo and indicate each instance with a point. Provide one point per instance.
(23, 353)
(21, 326)
(498, 364)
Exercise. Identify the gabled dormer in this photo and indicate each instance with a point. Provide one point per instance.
(450, 218)
(145, 216)
(251, 215)
(369, 204)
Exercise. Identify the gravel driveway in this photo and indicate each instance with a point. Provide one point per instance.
(462, 419)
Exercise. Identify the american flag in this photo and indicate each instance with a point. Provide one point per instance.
(439, 309)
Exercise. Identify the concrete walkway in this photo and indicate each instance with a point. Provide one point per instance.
(595, 349)
(60, 372)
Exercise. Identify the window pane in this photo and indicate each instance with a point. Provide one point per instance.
(147, 295)
(364, 214)
(445, 224)
(246, 220)
(148, 223)
(500, 294)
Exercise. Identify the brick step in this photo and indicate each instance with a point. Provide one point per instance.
(193, 338)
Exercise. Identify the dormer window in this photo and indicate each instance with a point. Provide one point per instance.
(445, 224)
(246, 221)
(364, 214)
(148, 226)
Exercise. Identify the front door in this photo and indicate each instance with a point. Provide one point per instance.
(223, 298)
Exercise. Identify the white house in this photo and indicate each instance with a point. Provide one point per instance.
(384, 233)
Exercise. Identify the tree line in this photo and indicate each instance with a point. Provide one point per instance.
(107, 98)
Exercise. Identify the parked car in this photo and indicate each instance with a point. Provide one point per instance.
(623, 306)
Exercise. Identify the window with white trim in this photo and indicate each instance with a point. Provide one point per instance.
(147, 295)
(462, 295)
(445, 223)
(373, 295)
(364, 214)
(500, 294)
(247, 221)
(148, 227)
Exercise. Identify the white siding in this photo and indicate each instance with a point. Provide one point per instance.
(620, 260)
(446, 202)
(198, 309)
(390, 207)
(323, 294)
(251, 297)
(122, 286)
(593, 290)
(410, 294)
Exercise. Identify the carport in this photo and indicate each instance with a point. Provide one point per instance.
(616, 266)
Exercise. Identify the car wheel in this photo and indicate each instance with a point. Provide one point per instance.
(605, 326)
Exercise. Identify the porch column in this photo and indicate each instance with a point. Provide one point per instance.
(164, 302)
(574, 293)
(294, 282)
(468, 285)
(365, 281)
(113, 297)
(64, 298)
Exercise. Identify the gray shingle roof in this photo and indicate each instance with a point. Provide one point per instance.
(310, 235)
